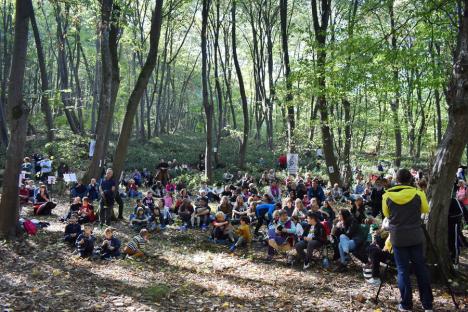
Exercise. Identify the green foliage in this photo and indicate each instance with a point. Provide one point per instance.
(68, 148)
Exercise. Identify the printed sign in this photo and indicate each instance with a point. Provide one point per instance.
(51, 179)
(293, 163)
(92, 145)
(69, 177)
(331, 170)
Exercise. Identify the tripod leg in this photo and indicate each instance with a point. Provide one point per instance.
(381, 283)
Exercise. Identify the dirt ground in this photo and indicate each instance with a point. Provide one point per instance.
(185, 272)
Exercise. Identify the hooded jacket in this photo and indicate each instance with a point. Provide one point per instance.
(403, 205)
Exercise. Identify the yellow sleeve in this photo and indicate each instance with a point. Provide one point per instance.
(388, 245)
(385, 210)
(424, 203)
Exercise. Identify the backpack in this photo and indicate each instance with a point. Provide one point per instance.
(326, 228)
(30, 227)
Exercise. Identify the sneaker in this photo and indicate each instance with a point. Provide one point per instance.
(400, 308)
(306, 265)
(290, 260)
(233, 247)
(374, 281)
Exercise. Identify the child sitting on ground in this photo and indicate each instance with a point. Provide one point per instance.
(85, 242)
(148, 201)
(244, 233)
(136, 247)
(72, 230)
(93, 190)
(202, 213)
(138, 204)
(185, 212)
(222, 229)
(169, 200)
(158, 189)
(23, 195)
(32, 190)
(140, 221)
(86, 212)
(110, 247)
(74, 207)
(132, 189)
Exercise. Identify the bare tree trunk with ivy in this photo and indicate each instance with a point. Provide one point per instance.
(17, 117)
(450, 149)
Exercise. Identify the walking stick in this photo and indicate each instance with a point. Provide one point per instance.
(433, 249)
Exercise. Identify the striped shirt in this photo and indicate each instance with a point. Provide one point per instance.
(137, 243)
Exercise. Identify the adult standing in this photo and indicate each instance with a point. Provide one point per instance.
(46, 168)
(403, 205)
(107, 190)
(376, 197)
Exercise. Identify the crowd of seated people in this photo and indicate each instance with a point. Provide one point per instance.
(300, 218)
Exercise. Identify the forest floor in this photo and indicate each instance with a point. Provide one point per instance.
(185, 272)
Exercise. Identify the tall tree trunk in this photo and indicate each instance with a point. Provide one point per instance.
(6, 62)
(3, 126)
(450, 149)
(219, 93)
(138, 90)
(102, 127)
(348, 174)
(320, 28)
(206, 101)
(17, 117)
(97, 84)
(63, 73)
(245, 109)
(287, 75)
(114, 35)
(45, 107)
(395, 104)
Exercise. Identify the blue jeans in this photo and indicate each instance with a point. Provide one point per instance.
(403, 256)
(345, 246)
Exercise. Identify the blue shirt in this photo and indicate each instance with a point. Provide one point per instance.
(107, 185)
(318, 193)
(262, 209)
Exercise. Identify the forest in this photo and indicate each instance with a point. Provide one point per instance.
(228, 87)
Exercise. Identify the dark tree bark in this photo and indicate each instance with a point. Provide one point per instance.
(45, 107)
(208, 107)
(287, 75)
(5, 71)
(97, 85)
(219, 93)
(270, 17)
(320, 28)
(450, 149)
(245, 109)
(395, 103)
(98, 160)
(17, 117)
(138, 90)
(63, 72)
(114, 36)
(348, 174)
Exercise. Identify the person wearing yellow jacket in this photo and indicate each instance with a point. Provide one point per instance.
(403, 205)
